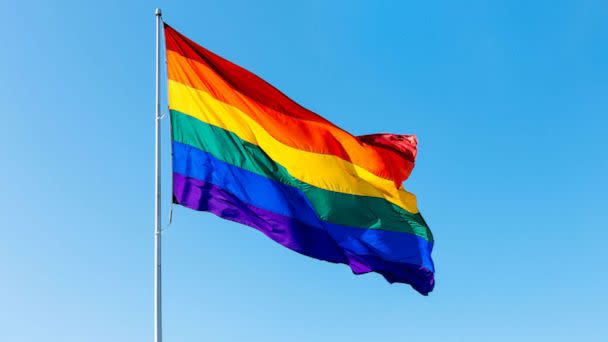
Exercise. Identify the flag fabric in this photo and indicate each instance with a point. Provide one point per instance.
(244, 151)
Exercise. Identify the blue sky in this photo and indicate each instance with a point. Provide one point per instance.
(509, 102)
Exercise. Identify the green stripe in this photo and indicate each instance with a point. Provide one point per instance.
(335, 207)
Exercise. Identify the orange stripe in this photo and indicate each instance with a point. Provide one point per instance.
(312, 136)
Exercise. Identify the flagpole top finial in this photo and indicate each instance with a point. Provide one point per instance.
(158, 12)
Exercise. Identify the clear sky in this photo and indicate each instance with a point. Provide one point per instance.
(509, 100)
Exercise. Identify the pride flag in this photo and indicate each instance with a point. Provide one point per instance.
(244, 151)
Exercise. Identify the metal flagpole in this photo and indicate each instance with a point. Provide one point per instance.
(158, 322)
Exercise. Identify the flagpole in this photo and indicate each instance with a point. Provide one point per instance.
(158, 322)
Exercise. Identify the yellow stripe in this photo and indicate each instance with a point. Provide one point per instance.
(321, 170)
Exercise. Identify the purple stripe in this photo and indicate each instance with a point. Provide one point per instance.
(300, 237)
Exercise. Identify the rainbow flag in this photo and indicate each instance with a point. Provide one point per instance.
(244, 151)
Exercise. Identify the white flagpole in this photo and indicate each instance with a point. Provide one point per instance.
(158, 322)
